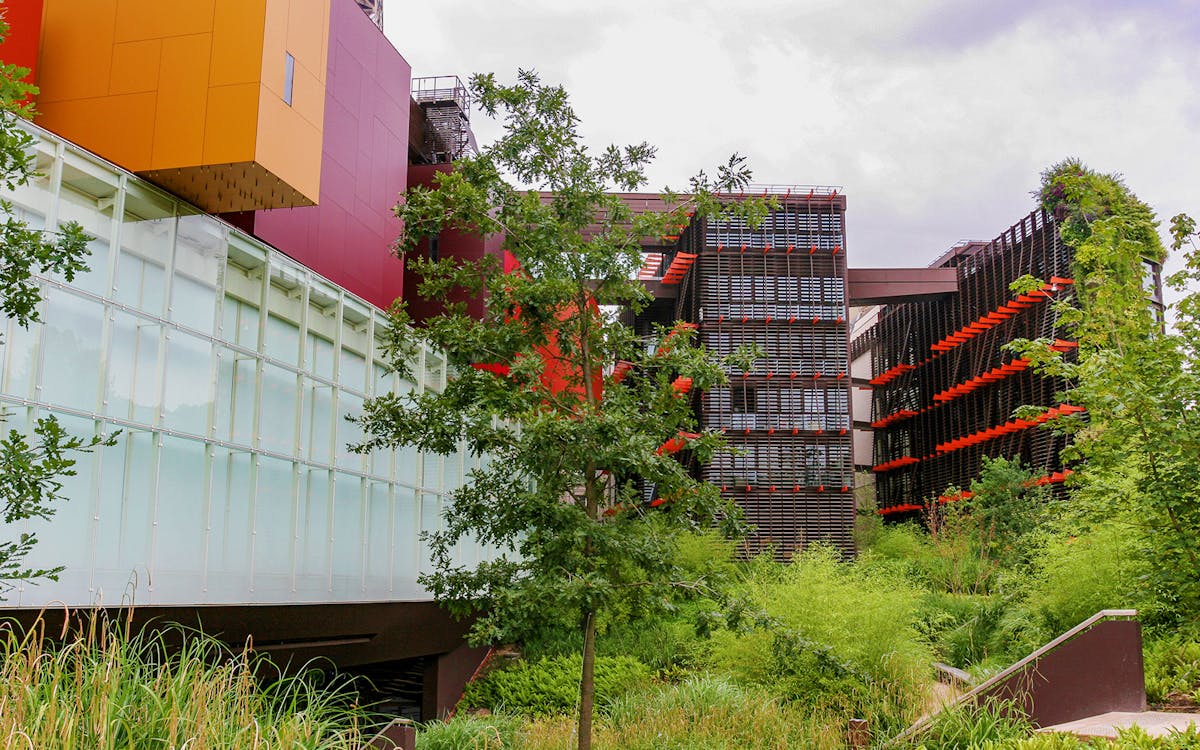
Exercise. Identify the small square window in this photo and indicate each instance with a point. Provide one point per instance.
(289, 75)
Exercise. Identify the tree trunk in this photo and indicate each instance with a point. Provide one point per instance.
(587, 682)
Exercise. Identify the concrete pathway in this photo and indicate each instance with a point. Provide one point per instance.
(1155, 723)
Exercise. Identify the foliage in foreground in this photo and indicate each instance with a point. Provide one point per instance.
(702, 712)
(102, 689)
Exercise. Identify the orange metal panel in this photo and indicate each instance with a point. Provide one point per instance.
(237, 49)
(154, 19)
(230, 124)
(119, 128)
(182, 100)
(76, 52)
(135, 67)
(289, 146)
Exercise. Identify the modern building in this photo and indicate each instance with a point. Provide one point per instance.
(780, 286)
(944, 388)
(236, 164)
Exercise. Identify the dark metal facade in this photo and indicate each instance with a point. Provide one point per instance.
(780, 286)
(945, 388)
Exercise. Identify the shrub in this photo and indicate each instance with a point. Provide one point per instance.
(551, 685)
(840, 636)
(1077, 576)
(470, 733)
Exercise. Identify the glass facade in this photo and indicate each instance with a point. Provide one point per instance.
(229, 371)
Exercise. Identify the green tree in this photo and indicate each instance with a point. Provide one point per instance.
(568, 436)
(31, 467)
(1138, 446)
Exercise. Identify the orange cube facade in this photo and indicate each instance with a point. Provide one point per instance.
(221, 102)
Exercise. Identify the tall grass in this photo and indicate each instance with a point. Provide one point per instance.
(102, 688)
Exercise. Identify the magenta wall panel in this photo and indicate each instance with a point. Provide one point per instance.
(347, 237)
(451, 244)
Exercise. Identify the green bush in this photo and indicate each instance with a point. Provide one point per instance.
(470, 733)
(839, 636)
(669, 644)
(1077, 576)
(551, 685)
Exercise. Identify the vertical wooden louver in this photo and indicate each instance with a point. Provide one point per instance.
(782, 287)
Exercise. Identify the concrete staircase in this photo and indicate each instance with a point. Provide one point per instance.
(1088, 682)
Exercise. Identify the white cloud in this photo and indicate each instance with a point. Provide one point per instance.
(936, 115)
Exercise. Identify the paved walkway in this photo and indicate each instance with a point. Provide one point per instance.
(1156, 723)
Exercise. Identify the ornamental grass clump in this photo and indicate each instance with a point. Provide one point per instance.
(102, 687)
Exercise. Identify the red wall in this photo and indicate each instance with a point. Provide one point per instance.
(347, 237)
(24, 18)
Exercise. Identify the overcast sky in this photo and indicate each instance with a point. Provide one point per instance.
(935, 116)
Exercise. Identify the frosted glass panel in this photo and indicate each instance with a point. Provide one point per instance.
(71, 356)
(187, 395)
(405, 527)
(320, 356)
(72, 520)
(137, 504)
(317, 420)
(348, 527)
(282, 340)
(20, 358)
(232, 517)
(199, 254)
(98, 224)
(273, 521)
(348, 432)
(354, 371)
(379, 537)
(431, 511)
(181, 513)
(142, 265)
(131, 386)
(277, 424)
(313, 527)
